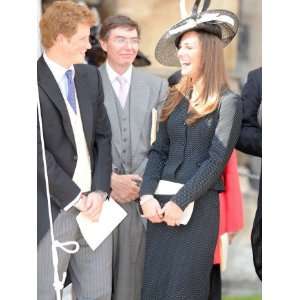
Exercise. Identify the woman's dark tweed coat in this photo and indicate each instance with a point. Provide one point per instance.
(179, 259)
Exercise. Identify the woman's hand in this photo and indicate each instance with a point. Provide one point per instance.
(152, 210)
(172, 213)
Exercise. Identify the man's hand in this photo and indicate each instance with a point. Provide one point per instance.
(152, 211)
(91, 205)
(124, 187)
(172, 213)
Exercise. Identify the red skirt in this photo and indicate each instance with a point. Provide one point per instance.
(231, 204)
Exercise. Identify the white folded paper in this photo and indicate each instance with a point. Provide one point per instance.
(153, 126)
(95, 233)
(166, 187)
(224, 250)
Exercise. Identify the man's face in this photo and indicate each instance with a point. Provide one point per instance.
(74, 48)
(121, 46)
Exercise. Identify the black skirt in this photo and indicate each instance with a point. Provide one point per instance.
(179, 259)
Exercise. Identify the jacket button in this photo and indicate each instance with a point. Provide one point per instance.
(75, 157)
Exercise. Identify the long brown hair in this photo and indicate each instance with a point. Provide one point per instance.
(209, 87)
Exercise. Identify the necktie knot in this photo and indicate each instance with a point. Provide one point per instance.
(71, 90)
(121, 80)
(69, 74)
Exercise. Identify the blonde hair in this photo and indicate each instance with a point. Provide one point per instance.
(63, 17)
(209, 87)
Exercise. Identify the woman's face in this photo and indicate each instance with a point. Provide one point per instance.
(189, 55)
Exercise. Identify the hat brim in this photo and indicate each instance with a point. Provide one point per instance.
(225, 21)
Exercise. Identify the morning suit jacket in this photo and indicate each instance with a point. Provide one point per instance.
(146, 92)
(61, 155)
(250, 142)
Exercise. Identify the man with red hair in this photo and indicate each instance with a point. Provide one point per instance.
(77, 147)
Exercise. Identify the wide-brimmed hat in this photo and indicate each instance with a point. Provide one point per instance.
(220, 22)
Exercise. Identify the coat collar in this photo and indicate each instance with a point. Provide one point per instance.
(139, 104)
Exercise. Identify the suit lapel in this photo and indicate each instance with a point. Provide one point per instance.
(111, 109)
(139, 96)
(48, 83)
(84, 104)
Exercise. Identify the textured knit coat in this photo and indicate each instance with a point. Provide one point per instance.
(179, 259)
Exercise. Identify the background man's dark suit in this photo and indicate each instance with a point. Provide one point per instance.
(250, 142)
(60, 144)
(250, 138)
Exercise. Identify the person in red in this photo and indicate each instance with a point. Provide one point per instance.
(231, 221)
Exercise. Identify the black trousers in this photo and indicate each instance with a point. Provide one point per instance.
(256, 237)
(215, 283)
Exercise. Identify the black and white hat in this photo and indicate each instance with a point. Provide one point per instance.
(222, 23)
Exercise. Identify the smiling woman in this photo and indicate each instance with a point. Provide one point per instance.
(189, 55)
(199, 127)
(202, 65)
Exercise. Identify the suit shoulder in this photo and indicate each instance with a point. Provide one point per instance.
(85, 68)
(253, 84)
(40, 61)
(255, 73)
(255, 76)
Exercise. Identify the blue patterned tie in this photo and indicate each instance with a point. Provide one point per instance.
(71, 90)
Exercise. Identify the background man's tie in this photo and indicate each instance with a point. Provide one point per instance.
(122, 90)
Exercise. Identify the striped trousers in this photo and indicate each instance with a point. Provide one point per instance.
(91, 271)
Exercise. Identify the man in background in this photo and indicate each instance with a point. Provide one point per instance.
(250, 142)
(131, 95)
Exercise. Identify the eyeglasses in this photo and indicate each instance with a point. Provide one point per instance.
(121, 41)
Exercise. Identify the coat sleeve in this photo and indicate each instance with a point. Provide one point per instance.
(250, 138)
(163, 94)
(224, 139)
(102, 145)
